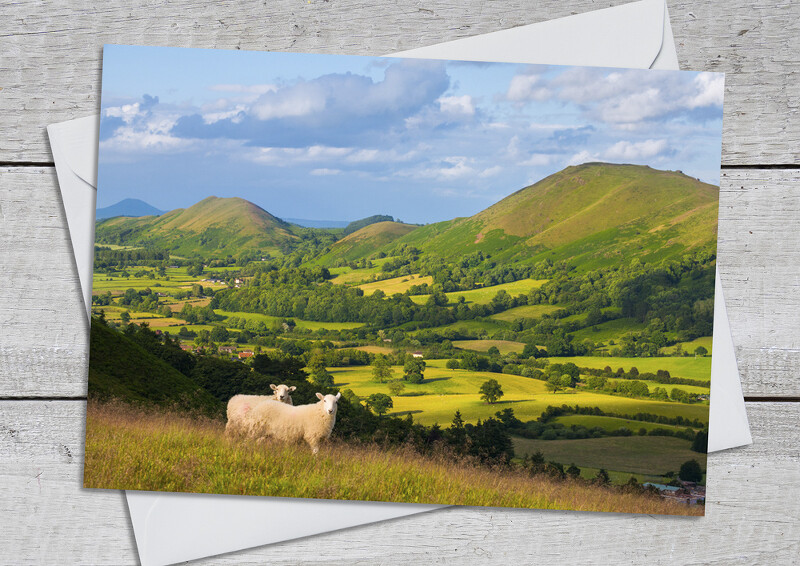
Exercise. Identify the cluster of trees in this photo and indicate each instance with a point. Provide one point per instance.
(105, 258)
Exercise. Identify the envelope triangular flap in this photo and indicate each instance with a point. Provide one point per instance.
(631, 36)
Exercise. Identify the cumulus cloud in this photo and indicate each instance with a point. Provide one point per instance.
(523, 88)
(711, 90)
(626, 98)
(636, 150)
(457, 105)
(332, 109)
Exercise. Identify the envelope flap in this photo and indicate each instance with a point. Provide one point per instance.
(630, 35)
(74, 138)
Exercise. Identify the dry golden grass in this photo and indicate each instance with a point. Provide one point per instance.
(128, 448)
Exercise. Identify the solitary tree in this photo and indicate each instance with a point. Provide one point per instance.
(380, 403)
(381, 370)
(491, 391)
(414, 370)
(453, 363)
(125, 317)
(553, 383)
(700, 351)
(396, 387)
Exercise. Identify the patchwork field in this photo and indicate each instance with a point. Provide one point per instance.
(654, 455)
(611, 330)
(610, 423)
(484, 295)
(504, 346)
(705, 341)
(396, 284)
(691, 367)
(525, 311)
(269, 320)
(445, 390)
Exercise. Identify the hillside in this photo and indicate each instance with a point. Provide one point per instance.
(365, 241)
(593, 214)
(128, 207)
(170, 451)
(121, 369)
(214, 225)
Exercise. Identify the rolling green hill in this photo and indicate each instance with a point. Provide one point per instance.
(593, 214)
(365, 241)
(121, 369)
(215, 226)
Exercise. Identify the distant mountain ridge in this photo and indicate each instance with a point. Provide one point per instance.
(132, 207)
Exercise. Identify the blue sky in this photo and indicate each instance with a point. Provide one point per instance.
(329, 137)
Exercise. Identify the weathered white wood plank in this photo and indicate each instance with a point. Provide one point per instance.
(50, 52)
(42, 329)
(752, 516)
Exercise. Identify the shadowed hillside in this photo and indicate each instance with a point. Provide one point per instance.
(119, 368)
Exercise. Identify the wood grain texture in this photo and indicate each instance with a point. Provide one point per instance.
(752, 517)
(43, 349)
(50, 52)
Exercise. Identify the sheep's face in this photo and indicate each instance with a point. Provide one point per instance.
(329, 402)
(282, 392)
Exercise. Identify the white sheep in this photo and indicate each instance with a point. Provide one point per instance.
(312, 423)
(239, 406)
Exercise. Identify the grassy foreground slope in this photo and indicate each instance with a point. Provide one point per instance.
(126, 449)
(119, 368)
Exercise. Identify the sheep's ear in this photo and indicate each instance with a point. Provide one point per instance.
(292, 388)
(320, 396)
(273, 386)
(338, 395)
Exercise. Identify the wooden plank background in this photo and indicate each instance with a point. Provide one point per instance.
(50, 72)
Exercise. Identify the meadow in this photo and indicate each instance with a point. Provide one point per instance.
(161, 451)
(525, 311)
(445, 391)
(652, 455)
(691, 367)
(503, 346)
(612, 423)
(269, 320)
(484, 295)
(395, 284)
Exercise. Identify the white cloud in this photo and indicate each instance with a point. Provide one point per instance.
(128, 112)
(490, 171)
(711, 90)
(526, 87)
(537, 160)
(463, 105)
(324, 172)
(583, 157)
(235, 114)
(637, 150)
(291, 102)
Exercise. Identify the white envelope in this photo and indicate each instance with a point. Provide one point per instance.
(172, 527)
